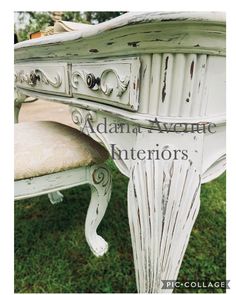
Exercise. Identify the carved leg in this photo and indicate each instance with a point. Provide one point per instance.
(100, 181)
(163, 203)
(17, 107)
(19, 99)
(55, 197)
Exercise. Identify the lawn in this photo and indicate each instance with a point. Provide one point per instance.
(51, 254)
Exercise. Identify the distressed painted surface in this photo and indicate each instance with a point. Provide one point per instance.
(146, 120)
(181, 86)
(163, 198)
(189, 86)
(115, 81)
(163, 203)
(43, 77)
(181, 80)
(136, 33)
(101, 184)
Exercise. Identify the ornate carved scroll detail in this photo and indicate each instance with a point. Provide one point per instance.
(122, 83)
(37, 76)
(101, 82)
(80, 117)
(75, 78)
(22, 77)
(101, 176)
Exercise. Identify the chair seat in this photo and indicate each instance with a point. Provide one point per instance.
(44, 147)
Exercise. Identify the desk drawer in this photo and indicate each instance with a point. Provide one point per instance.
(114, 82)
(43, 77)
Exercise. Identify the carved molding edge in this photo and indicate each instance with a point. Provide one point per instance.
(37, 76)
(101, 83)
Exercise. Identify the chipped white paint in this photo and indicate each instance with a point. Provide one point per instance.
(180, 85)
(181, 80)
(195, 32)
(163, 203)
(99, 179)
(179, 91)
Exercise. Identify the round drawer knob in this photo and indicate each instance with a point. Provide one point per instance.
(33, 78)
(92, 81)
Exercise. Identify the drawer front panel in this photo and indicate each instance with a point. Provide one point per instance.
(114, 82)
(43, 77)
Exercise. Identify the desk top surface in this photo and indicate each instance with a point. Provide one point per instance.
(157, 20)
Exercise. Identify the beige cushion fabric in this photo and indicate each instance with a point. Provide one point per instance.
(44, 147)
(64, 26)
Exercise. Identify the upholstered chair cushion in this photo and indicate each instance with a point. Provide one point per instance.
(45, 147)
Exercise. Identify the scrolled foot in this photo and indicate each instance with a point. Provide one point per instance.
(98, 245)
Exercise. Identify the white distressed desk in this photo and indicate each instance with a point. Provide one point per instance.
(152, 70)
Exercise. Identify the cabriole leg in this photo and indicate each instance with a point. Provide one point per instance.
(99, 177)
(163, 203)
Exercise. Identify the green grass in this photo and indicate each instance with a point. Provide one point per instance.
(51, 254)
